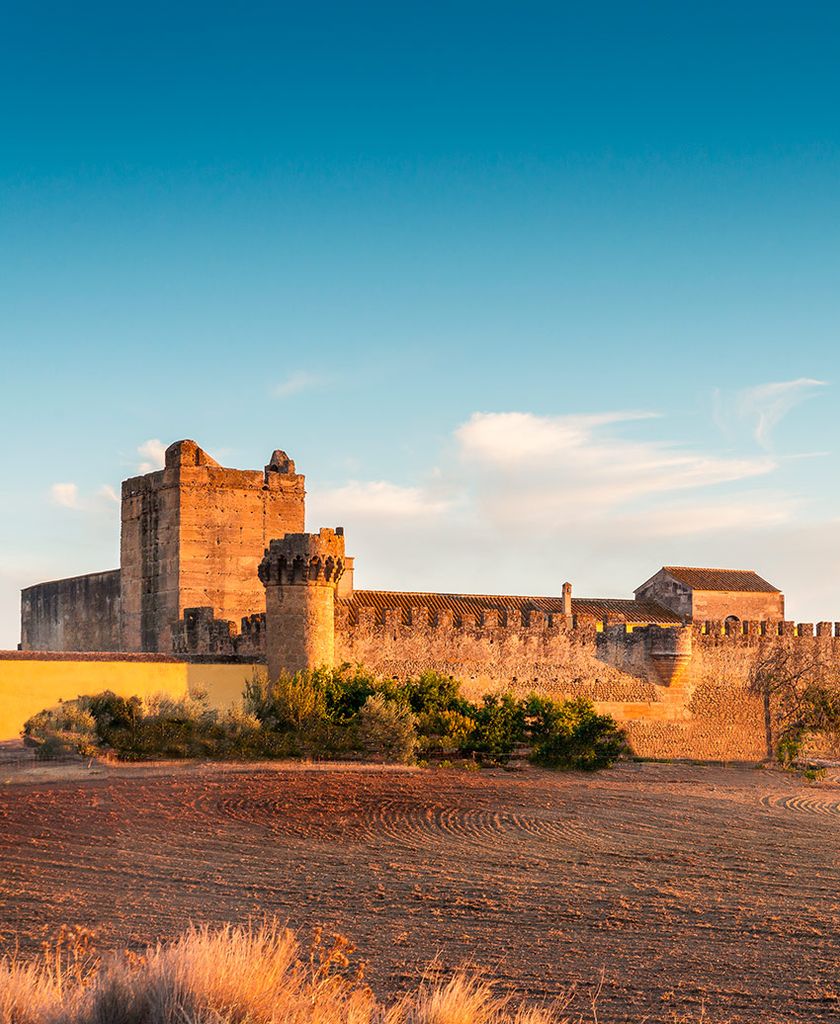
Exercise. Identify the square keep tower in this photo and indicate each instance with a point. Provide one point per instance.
(193, 535)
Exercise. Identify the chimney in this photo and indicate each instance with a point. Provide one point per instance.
(567, 600)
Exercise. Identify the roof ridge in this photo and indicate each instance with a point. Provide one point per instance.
(708, 568)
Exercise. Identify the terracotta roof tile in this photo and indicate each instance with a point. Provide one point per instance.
(474, 604)
(721, 579)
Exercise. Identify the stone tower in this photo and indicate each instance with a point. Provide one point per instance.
(193, 535)
(300, 573)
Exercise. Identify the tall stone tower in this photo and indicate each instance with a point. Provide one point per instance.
(300, 573)
(193, 535)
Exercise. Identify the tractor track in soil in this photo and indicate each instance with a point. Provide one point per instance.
(682, 886)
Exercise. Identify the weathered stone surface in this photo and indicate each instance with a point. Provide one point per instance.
(193, 535)
(300, 573)
(77, 614)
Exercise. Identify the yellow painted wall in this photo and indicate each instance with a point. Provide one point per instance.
(223, 684)
(28, 686)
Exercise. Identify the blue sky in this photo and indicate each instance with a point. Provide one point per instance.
(529, 291)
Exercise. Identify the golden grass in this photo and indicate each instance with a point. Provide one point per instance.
(238, 975)
(232, 975)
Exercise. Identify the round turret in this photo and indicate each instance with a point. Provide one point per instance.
(300, 572)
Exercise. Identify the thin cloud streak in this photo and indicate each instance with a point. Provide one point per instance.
(763, 406)
(377, 500)
(295, 383)
(769, 403)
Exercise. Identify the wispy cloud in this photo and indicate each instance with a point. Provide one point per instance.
(68, 495)
(152, 453)
(767, 404)
(519, 501)
(65, 494)
(505, 437)
(107, 492)
(377, 499)
(299, 380)
(573, 467)
(763, 406)
(517, 471)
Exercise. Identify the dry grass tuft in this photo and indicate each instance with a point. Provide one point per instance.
(237, 975)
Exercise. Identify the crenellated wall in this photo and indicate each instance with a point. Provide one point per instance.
(679, 692)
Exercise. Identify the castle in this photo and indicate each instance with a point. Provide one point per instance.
(207, 553)
(216, 566)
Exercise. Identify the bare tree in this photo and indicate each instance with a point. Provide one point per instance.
(799, 687)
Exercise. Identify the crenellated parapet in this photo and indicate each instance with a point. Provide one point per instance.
(306, 559)
(199, 632)
(749, 631)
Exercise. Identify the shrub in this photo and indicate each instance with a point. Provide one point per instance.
(573, 735)
(432, 692)
(66, 729)
(335, 712)
(288, 702)
(346, 691)
(68, 717)
(498, 725)
(386, 729)
(113, 712)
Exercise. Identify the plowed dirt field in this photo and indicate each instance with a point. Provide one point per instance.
(673, 887)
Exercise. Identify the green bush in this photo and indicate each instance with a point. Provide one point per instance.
(335, 713)
(287, 703)
(573, 735)
(385, 729)
(498, 725)
(432, 693)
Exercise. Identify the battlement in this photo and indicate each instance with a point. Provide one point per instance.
(464, 615)
(199, 632)
(735, 630)
(304, 559)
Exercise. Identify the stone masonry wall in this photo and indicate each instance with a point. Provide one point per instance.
(718, 604)
(705, 713)
(150, 522)
(703, 710)
(77, 614)
(487, 657)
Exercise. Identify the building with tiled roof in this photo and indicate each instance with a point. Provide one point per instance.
(697, 595)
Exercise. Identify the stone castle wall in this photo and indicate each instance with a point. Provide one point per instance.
(81, 613)
(705, 711)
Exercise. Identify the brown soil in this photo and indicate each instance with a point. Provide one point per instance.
(681, 887)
